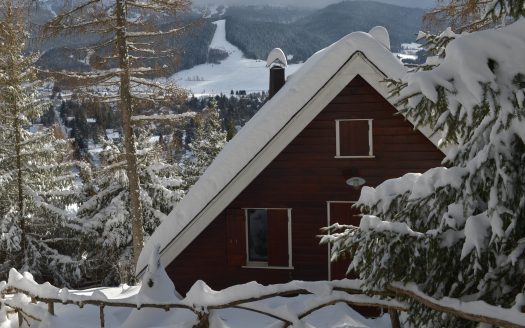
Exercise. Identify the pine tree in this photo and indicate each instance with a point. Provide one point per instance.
(37, 233)
(106, 213)
(208, 140)
(455, 231)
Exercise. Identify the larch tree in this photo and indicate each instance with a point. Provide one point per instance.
(208, 140)
(456, 231)
(471, 15)
(125, 56)
(37, 233)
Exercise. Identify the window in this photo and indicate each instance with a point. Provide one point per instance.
(268, 241)
(257, 221)
(354, 138)
(259, 237)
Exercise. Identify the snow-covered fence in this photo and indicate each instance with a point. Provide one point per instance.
(33, 301)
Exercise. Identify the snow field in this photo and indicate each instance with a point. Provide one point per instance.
(233, 73)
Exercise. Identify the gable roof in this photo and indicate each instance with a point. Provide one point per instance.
(270, 130)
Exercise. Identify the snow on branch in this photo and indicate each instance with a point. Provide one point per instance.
(174, 118)
(154, 34)
(415, 185)
(478, 311)
(373, 223)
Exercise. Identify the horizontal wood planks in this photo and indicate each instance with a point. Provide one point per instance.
(304, 177)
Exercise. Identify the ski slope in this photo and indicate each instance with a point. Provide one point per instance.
(233, 73)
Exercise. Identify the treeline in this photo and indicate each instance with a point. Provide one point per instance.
(257, 38)
(90, 123)
(267, 13)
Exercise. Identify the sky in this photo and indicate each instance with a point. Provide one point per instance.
(313, 3)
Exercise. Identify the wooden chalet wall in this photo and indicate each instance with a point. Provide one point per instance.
(304, 177)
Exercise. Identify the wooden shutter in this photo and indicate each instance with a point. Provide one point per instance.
(278, 237)
(354, 138)
(236, 236)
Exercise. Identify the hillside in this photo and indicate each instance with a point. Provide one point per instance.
(305, 35)
(255, 30)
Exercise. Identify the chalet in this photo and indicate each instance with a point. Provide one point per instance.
(295, 167)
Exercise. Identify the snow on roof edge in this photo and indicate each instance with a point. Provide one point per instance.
(263, 126)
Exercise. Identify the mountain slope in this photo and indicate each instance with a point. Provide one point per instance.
(335, 21)
(304, 36)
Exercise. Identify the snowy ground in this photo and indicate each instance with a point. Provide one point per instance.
(233, 73)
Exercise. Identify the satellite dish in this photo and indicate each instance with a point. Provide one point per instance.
(355, 182)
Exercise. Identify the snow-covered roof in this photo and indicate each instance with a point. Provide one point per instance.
(282, 118)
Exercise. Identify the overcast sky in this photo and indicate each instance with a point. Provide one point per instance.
(313, 3)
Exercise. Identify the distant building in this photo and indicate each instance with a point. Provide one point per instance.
(112, 134)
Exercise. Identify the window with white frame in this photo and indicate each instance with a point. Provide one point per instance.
(268, 237)
(354, 138)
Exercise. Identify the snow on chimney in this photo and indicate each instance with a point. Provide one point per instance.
(277, 63)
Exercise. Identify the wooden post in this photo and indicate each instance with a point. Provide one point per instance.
(101, 312)
(20, 318)
(394, 318)
(51, 308)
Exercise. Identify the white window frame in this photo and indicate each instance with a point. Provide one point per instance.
(264, 264)
(338, 138)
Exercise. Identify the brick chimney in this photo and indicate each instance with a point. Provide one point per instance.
(277, 63)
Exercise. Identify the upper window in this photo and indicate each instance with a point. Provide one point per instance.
(354, 138)
(268, 241)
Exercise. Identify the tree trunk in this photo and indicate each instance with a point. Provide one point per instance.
(19, 181)
(129, 139)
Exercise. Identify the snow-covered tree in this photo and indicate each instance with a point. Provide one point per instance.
(208, 140)
(126, 55)
(106, 213)
(37, 233)
(456, 231)
(470, 15)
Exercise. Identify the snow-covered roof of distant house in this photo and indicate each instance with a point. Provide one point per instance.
(303, 96)
(112, 134)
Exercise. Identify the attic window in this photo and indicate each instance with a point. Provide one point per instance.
(354, 138)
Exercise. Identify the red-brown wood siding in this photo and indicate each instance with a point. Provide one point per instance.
(304, 177)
